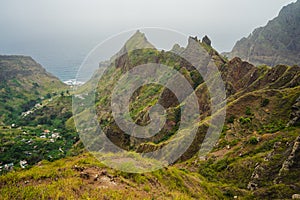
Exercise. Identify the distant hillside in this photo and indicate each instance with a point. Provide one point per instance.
(35, 112)
(276, 43)
(23, 82)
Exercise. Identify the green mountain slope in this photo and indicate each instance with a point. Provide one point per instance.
(23, 84)
(242, 80)
(35, 112)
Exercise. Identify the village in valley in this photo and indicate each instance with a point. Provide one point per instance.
(24, 146)
(38, 134)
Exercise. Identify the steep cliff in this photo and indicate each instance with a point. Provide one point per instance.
(276, 43)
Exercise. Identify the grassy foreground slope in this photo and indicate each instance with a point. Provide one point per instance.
(83, 177)
(222, 176)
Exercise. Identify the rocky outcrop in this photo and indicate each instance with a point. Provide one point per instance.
(253, 185)
(296, 196)
(271, 169)
(206, 40)
(260, 171)
(295, 115)
(289, 162)
(177, 49)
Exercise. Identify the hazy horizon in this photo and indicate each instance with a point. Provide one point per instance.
(59, 34)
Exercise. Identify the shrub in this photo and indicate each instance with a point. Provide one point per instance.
(244, 120)
(196, 77)
(48, 96)
(248, 111)
(264, 102)
(234, 142)
(231, 119)
(253, 140)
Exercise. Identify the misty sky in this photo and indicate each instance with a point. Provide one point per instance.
(68, 29)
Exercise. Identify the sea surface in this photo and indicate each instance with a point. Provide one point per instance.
(63, 67)
(60, 59)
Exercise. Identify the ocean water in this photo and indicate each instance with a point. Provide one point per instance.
(65, 67)
(59, 58)
(64, 73)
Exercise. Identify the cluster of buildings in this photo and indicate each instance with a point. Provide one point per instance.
(52, 136)
(10, 166)
(48, 134)
(37, 106)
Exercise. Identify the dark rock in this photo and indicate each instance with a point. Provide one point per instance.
(206, 40)
(96, 177)
(276, 145)
(78, 168)
(84, 175)
(252, 186)
(104, 173)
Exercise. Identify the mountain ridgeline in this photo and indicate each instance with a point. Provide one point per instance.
(276, 43)
(258, 150)
(243, 81)
(256, 156)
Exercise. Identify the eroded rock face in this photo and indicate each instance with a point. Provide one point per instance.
(292, 157)
(295, 115)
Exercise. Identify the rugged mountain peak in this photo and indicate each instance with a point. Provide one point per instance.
(276, 43)
(192, 40)
(193, 43)
(206, 40)
(137, 41)
(177, 49)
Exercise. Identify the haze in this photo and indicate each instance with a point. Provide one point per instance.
(58, 32)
